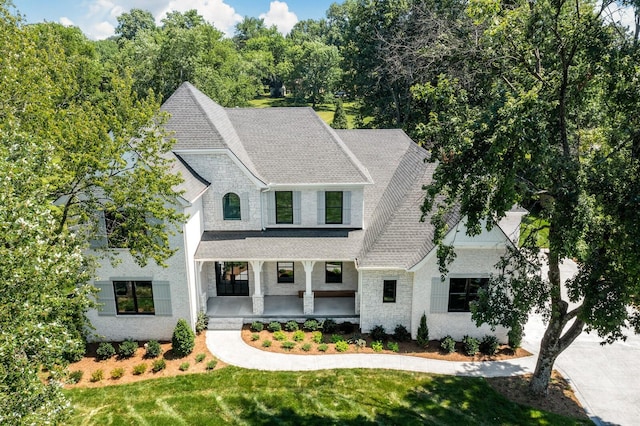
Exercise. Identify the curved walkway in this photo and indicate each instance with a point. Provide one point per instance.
(228, 346)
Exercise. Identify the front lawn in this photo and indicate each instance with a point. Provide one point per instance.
(355, 397)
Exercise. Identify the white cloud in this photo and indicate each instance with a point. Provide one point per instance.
(621, 14)
(100, 30)
(217, 12)
(280, 16)
(66, 21)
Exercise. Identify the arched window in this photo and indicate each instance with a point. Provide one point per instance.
(231, 206)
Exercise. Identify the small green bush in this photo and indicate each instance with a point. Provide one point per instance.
(200, 357)
(401, 334)
(202, 322)
(75, 376)
(105, 351)
(139, 369)
(298, 335)
(254, 337)
(117, 373)
(158, 365)
(448, 345)
(257, 326)
(153, 349)
(274, 326)
(470, 345)
(316, 336)
(97, 376)
(306, 347)
(423, 332)
(310, 325)
(291, 326)
(378, 333)
(74, 351)
(393, 346)
(183, 339)
(322, 347)
(376, 346)
(266, 343)
(279, 336)
(212, 364)
(184, 366)
(335, 338)
(515, 336)
(127, 349)
(329, 326)
(342, 346)
(288, 345)
(489, 345)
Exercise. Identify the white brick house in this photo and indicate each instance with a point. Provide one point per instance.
(283, 210)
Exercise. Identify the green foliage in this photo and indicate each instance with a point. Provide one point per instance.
(489, 345)
(127, 349)
(183, 339)
(75, 376)
(316, 336)
(448, 345)
(306, 347)
(329, 326)
(401, 334)
(153, 349)
(514, 336)
(378, 333)
(200, 357)
(377, 346)
(322, 347)
(254, 337)
(341, 346)
(117, 373)
(335, 338)
(97, 376)
(266, 343)
(298, 336)
(279, 336)
(105, 350)
(470, 345)
(257, 326)
(202, 322)
(291, 326)
(184, 366)
(158, 365)
(139, 369)
(423, 332)
(211, 364)
(310, 325)
(288, 345)
(340, 117)
(393, 346)
(274, 326)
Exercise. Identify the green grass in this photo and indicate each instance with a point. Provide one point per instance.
(534, 227)
(352, 397)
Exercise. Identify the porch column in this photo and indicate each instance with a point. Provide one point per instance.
(308, 294)
(258, 297)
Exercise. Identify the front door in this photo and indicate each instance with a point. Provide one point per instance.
(232, 278)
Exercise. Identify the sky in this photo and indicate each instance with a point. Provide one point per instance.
(97, 18)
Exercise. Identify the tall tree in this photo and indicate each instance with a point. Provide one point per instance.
(554, 129)
(132, 22)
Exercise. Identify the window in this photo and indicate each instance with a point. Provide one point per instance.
(462, 291)
(284, 206)
(333, 207)
(231, 206)
(285, 272)
(389, 291)
(134, 297)
(333, 272)
(116, 227)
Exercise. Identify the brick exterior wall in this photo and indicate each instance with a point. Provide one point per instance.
(372, 309)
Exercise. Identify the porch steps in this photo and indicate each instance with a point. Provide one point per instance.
(217, 323)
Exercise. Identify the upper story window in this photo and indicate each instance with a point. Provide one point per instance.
(462, 291)
(231, 206)
(284, 206)
(116, 228)
(333, 207)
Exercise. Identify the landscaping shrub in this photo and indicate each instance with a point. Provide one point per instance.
(360, 343)
(470, 345)
(448, 345)
(105, 351)
(316, 336)
(97, 376)
(342, 346)
(183, 339)
(393, 346)
(298, 336)
(212, 364)
(279, 336)
(75, 376)
(329, 326)
(127, 349)
(184, 366)
(153, 349)
(254, 337)
(376, 346)
(515, 336)
(310, 325)
(159, 365)
(257, 326)
(288, 345)
(306, 347)
(139, 369)
(291, 326)
(489, 345)
(74, 351)
(266, 343)
(423, 332)
(335, 338)
(200, 357)
(117, 373)
(346, 327)
(274, 326)
(322, 347)
(401, 334)
(378, 333)
(202, 322)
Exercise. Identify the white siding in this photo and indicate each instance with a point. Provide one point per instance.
(373, 311)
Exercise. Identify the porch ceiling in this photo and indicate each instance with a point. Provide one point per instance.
(279, 244)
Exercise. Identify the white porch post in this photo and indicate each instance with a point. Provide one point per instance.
(308, 294)
(203, 294)
(258, 297)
